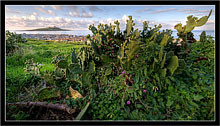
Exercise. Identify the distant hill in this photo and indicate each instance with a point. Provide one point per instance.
(49, 29)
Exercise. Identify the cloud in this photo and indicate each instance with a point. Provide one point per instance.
(197, 12)
(67, 20)
(7, 10)
(32, 18)
(55, 7)
(211, 21)
(46, 11)
(43, 6)
(74, 9)
(163, 11)
(143, 10)
(124, 18)
(74, 14)
(51, 12)
(193, 11)
(110, 20)
(35, 14)
(84, 14)
(41, 10)
(94, 8)
(59, 19)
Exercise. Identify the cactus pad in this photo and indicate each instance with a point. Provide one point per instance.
(173, 64)
(47, 93)
(74, 60)
(164, 40)
(62, 64)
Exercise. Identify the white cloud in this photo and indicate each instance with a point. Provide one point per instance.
(41, 10)
(211, 21)
(32, 18)
(59, 19)
(7, 10)
(110, 20)
(193, 11)
(94, 8)
(51, 12)
(124, 18)
(35, 14)
(67, 20)
(143, 10)
(84, 14)
(46, 11)
(197, 12)
(164, 10)
(43, 6)
(74, 8)
(24, 18)
(74, 14)
(42, 19)
(56, 7)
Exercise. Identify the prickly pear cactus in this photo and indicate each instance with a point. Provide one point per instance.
(74, 57)
(163, 61)
(117, 25)
(145, 25)
(203, 37)
(130, 24)
(91, 67)
(93, 29)
(163, 72)
(164, 40)
(133, 48)
(47, 93)
(62, 64)
(181, 66)
(161, 54)
(203, 20)
(75, 68)
(59, 73)
(173, 64)
(191, 23)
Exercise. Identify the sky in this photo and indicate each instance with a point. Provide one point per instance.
(76, 17)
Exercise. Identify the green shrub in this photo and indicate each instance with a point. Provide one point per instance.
(11, 41)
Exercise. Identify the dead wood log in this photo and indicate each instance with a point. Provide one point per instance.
(62, 107)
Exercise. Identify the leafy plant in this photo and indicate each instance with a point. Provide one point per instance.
(11, 41)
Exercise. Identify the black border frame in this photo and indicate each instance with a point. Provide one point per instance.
(115, 2)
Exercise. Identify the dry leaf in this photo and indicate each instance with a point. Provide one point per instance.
(75, 94)
(58, 94)
(67, 96)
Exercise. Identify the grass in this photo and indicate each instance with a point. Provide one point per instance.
(41, 52)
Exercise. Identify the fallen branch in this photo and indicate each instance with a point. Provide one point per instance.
(62, 107)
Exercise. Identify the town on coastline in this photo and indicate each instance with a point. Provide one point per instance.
(55, 37)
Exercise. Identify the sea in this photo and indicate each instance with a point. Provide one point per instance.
(86, 32)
